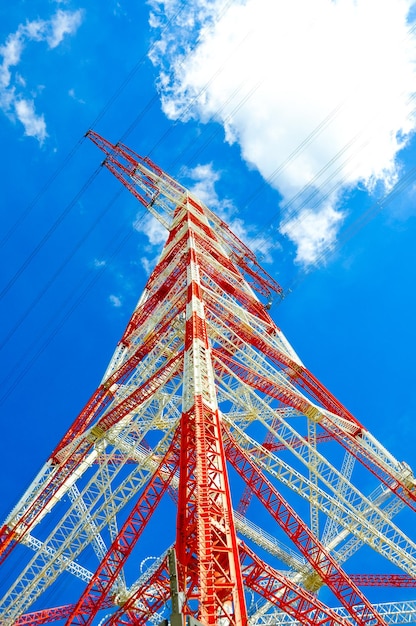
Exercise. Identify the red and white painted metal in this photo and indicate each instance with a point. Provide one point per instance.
(204, 374)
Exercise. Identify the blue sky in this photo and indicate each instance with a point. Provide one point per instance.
(294, 122)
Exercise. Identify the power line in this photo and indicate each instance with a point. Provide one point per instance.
(59, 270)
(68, 307)
(48, 234)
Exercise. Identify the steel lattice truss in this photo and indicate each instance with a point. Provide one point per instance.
(205, 407)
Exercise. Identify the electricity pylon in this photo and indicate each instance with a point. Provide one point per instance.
(204, 407)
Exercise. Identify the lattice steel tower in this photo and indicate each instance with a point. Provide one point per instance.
(204, 407)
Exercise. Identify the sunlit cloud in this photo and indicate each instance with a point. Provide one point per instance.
(74, 96)
(61, 24)
(115, 301)
(151, 228)
(33, 124)
(156, 235)
(318, 95)
(314, 232)
(204, 179)
(14, 102)
(148, 263)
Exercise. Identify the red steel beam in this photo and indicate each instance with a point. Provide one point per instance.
(107, 572)
(284, 593)
(205, 526)
(295, 528)
(149, 598)
(49, 616)
(351, 442)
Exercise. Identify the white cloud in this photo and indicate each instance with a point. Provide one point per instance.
(152, 228)
(11, 51)
(13, 101)
(205, 177)
(313, 231)
(156, 233)
(115, 301)
(61, 24)
(34, 124)
(319, 95)
(148, 263)
(73, 95)
(35, 30)
(119, 10)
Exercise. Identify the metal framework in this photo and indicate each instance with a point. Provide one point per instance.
(205, 406)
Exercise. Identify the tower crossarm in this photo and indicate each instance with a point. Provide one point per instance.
(309, 546)
(269, 543)
(361, 445)
(66, 542)
(149, 316)
(367, 523)
(397, 476)
(377, 530)
(227, 283)
(128, 358)
(161, 194)
(130, 398)
(113, 413)
(52, 615)
(284, 593)
(242, 256)
(69, 564)
(143, 178)
(81, 457)
(347, 505)
(346, 470)
(143, 601)
(392, 612)
(350, 547)
(218, 259)
(143, 392)
(298, 373)
(383, 580)
(45, 499)
(103, 580)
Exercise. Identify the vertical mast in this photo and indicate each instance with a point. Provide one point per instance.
(206, 539)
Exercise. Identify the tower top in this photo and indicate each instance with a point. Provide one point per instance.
(160, 194)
